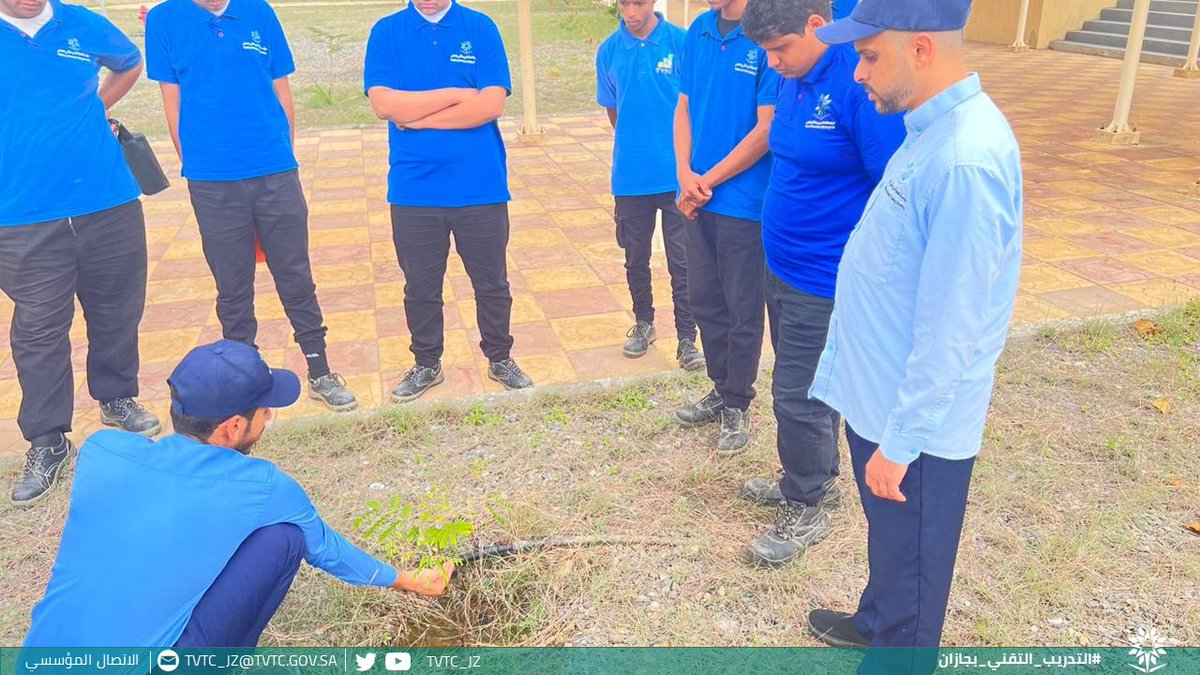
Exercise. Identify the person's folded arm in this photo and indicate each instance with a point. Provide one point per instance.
(405, 107)
(486, 106)
(973, 225)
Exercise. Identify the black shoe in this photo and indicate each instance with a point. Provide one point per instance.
(641, 336)
(766, 492)
(509, 374)
(129, 415)
(836, 629)
(688, 357)
(707, 409)
(797, 526)
(331, 390)
(417, 381)
(735, 431)
(43, 466)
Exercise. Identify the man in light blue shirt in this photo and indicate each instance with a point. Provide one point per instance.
(924, 297)
(189, 541)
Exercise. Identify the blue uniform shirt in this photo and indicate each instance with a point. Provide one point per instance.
(59, 157)
(441, 167)
(726, 79)
(152, 524)
(640, 78)
(927, 285)
(231, 124)
(830, 148)
(842, 8)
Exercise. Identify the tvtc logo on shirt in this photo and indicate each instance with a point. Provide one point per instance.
(821, 115)
(666, 65)
(255, 44)
(465, 53)
(73, 51)
(750, 65)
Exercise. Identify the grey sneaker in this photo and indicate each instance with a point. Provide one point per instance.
(509, 374)
(707, 409)
(735, 431)
(766, 492)
(129, 415)
(689, 358)
(417, 381)
(797, 526)
(331, 390)
(641, 336)
(43, 467)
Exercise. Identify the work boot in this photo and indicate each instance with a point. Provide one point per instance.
(735, 431)
(766, 492)
(417, 381)
(836, 629)
(128, 415)
(509, 374)
(331, 390)
(797, 526)
(641, 336)
(707, 409)
(44, 464)
(689, 358)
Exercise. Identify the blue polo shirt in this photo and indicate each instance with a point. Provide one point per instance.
(640, 78)
(151, 525)
(59, 157)
(830, 148)
(441, 167)
(842, 8)
(726, 79)
(231, 124)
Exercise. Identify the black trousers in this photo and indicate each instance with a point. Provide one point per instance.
(635, 234)
(807, 428)
(725, 290)
(422, 238)
(99, 258)
(230, 213)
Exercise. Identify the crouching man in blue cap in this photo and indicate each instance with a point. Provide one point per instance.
(189, 541)
(922, 305)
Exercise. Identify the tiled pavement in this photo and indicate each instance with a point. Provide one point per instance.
(1108, 230)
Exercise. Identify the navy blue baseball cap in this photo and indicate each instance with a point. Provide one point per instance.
(871, 17)
(222, 379)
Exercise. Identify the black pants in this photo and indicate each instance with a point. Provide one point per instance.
(99, 257)
(230, 213)
(422, 238)
(635, 233)
(807, 428)
(725, 290)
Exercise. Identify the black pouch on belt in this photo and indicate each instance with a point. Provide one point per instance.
(141, 160)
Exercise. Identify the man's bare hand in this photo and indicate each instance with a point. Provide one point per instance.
(883, 477)
(431, 583)
(693, 188)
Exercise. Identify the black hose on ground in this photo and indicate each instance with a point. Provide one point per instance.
(525, 546)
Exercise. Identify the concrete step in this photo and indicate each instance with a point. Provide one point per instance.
(1152, 31)
(1174, 6)
(1185, 21)
(1148, 55)
(1110, 40)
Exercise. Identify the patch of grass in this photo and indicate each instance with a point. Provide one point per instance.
(479, 416)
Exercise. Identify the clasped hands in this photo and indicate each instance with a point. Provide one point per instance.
(694, 192)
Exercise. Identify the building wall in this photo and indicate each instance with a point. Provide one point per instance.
(995, 21)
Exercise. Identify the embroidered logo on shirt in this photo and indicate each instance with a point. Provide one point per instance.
(255, 44)
(896, 188)
(821, 114)
(666, 66)
(464, 54)
(72, 51)
(750, 65)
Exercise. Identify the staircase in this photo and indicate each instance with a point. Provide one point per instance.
(1167, 34)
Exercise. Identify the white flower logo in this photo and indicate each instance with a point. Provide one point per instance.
(73, 43)
(255, 37)
(1148, 648)
(465, 47)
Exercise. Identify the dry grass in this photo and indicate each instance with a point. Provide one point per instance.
(1071, 514)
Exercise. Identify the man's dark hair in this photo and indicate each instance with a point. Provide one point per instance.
(201, 428)
(766, 20)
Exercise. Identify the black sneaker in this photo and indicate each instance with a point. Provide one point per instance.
(707, 409)
(836, 629)
(43, 467)
(689, 358)
(797, 526)
(766, 492)
(331, 390)
(509, 374)
(129, 415)
(641, 336)
(417, 381)
(735, 431)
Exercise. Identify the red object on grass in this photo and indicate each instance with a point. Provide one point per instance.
(142, 14)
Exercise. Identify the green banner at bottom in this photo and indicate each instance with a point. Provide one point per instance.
(601, 661)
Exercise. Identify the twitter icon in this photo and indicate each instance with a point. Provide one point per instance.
(366, 662)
